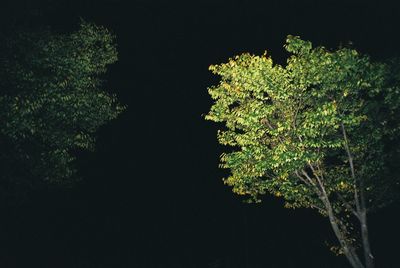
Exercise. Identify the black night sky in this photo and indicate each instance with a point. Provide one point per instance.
(152, 194)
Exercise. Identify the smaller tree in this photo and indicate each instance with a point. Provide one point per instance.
(51, 102)
(322, 132)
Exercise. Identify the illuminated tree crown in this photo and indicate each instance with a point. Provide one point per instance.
(320, 132)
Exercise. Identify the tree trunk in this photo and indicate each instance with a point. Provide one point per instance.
(369, 259)
(348, 250)
(361, 205)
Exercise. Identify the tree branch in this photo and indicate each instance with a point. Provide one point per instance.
(350, 158)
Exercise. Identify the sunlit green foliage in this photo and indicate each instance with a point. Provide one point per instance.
(52, 102)
(289, 127)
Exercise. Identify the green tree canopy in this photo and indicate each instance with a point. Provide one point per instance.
(51, 102)
(322, 132)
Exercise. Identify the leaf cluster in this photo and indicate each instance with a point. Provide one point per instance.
(52, 101)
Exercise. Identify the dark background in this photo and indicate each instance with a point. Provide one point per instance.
(152, 194)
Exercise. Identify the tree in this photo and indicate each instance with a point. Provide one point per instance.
(321, 132)
(51, 103)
